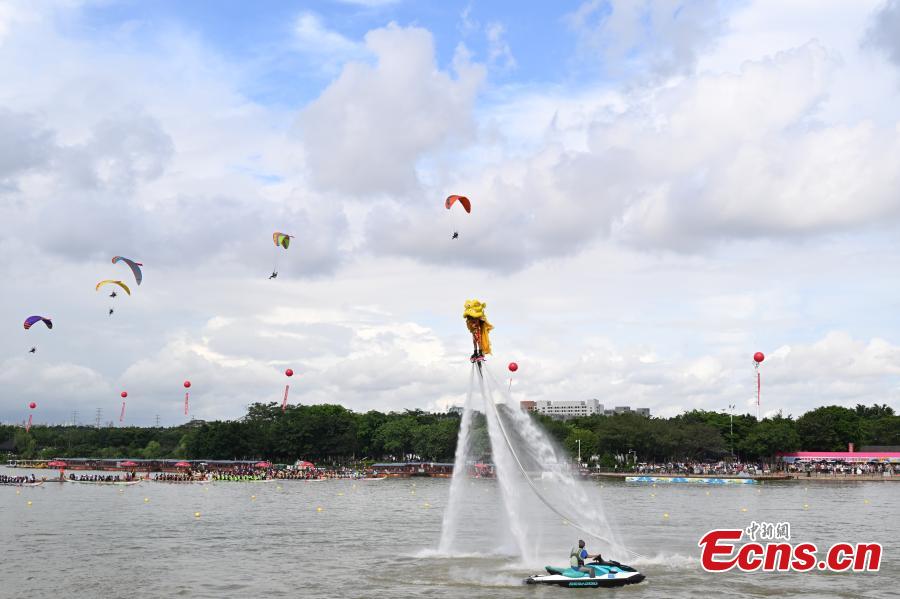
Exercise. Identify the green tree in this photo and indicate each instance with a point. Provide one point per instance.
(829, 428)
(590, 443)
(773, 435)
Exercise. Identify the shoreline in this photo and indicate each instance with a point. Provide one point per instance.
(781, 477)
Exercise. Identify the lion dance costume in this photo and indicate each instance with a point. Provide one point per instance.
(478, 325)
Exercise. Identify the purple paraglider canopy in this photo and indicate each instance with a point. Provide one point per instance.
(33, 319)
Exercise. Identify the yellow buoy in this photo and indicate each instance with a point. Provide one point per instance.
(652, 494)
(565, 522)
(866, 501)
(743, 509)
(318, 509)
(146, 500)
(426, 504)
(341, 494)
(18, 492)
(278, 487)
(196, 514)
(806, 506)
(666, 515)
(707, 492)
(29, 503)
(253, 498)
(412, 492)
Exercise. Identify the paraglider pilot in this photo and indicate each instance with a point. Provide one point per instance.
(32, 350)
(479, 327)
(455, 235)
(111, 311)
(113, 294)
(273, 275)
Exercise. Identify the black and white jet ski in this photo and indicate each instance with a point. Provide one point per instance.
(607, 574)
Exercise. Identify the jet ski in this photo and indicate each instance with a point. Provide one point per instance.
(607, 574)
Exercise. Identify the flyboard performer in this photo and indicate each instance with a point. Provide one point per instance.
(478, 325)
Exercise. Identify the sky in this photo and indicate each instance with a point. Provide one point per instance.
(659, 189)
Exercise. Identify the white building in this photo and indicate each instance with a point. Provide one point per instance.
(569, 409)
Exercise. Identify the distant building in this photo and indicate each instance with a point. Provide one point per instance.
(627, 410)
(458, 410)
(569, 409)
(528, 406)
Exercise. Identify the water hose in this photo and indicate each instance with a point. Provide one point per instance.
(530, 482)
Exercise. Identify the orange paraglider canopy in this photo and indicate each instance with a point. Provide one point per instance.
(462, 200)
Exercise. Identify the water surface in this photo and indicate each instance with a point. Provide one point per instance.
(379, 539)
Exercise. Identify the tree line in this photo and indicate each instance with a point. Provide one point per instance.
(330, 433)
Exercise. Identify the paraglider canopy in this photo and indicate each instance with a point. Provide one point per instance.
(33, 319)
(124, 394)
(187, 384)
(513, 367)
(289, 372)
(758, 357)
(466, 204)
(134, 266)
(128, 464)
(182, 465)
(57, 464)
(32, 405)
(262, 464)
(282, 239)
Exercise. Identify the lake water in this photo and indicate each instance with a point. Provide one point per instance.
(378, 539)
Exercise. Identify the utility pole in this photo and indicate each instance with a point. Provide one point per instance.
(99, 417)
(731, 428)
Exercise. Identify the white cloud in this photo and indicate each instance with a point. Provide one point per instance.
(645, 38)
(499, 52)
(368, 129)
(884, 32)
(313, 37)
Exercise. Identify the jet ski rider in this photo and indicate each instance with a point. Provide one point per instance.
(577, 556)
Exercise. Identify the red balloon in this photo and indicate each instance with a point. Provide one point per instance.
(289, 372)
(513, 367)
(187, 384)
(758, 357)
(124, 394)
(32, 405)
